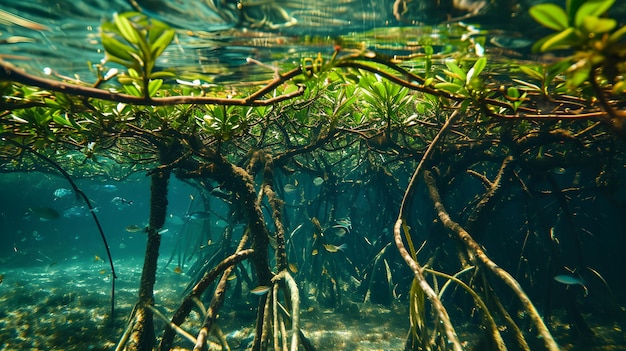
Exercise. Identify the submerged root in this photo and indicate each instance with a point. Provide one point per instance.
(484, 260)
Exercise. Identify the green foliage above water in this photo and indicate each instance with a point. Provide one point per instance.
(135, 41)
(596, 40)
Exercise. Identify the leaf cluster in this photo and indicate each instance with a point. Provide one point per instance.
(597, 40)
(135, 41)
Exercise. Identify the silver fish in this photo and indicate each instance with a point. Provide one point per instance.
(571, 280)
(61, 192)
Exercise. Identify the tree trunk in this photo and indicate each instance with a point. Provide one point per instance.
(143, 336)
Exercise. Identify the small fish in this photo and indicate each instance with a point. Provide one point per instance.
(317, 181)
(340, 231)
(123, 246)
(342, 227)
(260, 290)
(109, 187)
(133, 228)
(44, 213)
(314, 252)
(97, 258)
(293, 268)
(75, 211)
(163, 231)
(345, 223)
(289, 188)
(198, 215)
(178, 270)
(103, 271)
(334, 248)
(571, 280)
(208, 243)
(121, 201)
(61, 192)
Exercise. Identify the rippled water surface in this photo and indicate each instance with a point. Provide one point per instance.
(214, 38)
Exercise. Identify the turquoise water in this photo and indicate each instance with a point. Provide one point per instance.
(56, 279)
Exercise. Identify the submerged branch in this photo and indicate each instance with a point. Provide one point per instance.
(190, 300)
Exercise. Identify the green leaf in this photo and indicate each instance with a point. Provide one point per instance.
(130, 85)
(512, 92)
(617, 35)
(115, 48)
(157, 29)
(162, 74)
(562, 40)
(456, 70)
(126, 29)
(619, 88)
(62, 121)
(598, 25)
(161, 43)
(579, 76)
(550, 16)
(571, 7)
(532, 72)
(153, 86)
(478, 67)
(450, 87)
(593, 8)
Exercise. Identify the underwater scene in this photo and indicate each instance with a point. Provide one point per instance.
(313, 175)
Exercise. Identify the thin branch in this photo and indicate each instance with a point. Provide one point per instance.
(178, 329)
(440, 310)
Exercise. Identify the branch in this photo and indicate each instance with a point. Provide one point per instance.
(474, 247)
(187, 304)
(440, 310)
(9, 72)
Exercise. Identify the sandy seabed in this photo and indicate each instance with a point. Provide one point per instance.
(67, 306)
